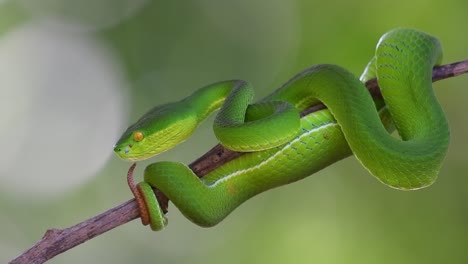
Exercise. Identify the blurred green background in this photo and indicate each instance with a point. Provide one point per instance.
(75, 74)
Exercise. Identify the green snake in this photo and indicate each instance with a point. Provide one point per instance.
(283, 147)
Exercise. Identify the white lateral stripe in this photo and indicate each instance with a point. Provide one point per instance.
(263, 163)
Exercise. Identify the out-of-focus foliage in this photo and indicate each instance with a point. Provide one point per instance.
(74, 74)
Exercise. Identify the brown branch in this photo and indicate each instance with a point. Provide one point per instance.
(56, 241)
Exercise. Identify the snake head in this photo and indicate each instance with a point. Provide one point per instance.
(160, 129)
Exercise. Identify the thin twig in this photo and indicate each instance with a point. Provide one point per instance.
(56, 241)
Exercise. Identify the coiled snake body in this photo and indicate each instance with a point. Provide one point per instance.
(284, 148)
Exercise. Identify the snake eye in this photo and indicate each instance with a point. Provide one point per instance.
(138, 136)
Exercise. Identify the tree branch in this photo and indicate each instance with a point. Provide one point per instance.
(56, 241)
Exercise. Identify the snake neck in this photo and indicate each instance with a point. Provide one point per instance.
(210, 98)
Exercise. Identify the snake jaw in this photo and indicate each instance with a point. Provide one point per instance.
(122, 152)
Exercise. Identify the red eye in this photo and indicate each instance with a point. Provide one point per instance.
(138, 136)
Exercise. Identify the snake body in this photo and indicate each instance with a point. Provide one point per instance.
(283, 147)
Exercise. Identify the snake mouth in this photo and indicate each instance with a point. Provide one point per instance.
(123, 152)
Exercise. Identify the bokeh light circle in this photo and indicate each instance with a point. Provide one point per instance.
(62, 108)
